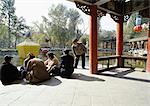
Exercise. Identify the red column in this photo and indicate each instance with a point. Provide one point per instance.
(119, 40)
(93, 39)
(148, 53)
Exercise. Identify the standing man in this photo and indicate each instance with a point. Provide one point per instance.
(8, 72)
(78, 49)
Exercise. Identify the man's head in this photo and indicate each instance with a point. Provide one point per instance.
(75, 41)
(50, 55)
(7, 58)
(31, 55)
(66, 51)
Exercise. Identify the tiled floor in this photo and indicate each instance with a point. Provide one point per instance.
(108, 89)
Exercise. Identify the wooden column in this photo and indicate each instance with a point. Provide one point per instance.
(106, 45)
(111, 42)
(148, 53)
(103, 44)
(93, 39)
(119, 40)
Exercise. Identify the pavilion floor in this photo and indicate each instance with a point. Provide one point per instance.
(119, 87)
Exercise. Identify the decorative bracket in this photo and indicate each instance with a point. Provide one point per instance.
(126, 18)
(101, 13)
(116, 18)
(83, 7)
(86, 9)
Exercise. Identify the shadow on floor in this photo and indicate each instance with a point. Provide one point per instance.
(51, 82)
(14, 82)
(83, 77)
(121, 74)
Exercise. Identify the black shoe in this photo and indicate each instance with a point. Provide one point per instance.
(75, 67)
(83, 68)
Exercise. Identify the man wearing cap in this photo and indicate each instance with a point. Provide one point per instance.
(66, 65)
(79, 50)
(8, 72)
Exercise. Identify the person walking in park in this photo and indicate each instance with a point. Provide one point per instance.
(9, 72)
(66, 65)
(79, 50)
(52, 64)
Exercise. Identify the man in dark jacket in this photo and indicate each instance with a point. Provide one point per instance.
(66, 66)
(8, 72)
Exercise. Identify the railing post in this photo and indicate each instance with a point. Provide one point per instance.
(123, 60)
(145, 65)
(108, 64)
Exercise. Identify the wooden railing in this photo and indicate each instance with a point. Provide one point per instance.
(108, 62)
(134, 62)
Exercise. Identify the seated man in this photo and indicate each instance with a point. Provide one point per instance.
(66, 66)
(36, 71)
(8, 72)
(52, 64)
(29, 57)
(23, 68)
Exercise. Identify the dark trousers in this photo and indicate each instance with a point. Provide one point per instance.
(77, 60)
(66, 72)
(55, 71)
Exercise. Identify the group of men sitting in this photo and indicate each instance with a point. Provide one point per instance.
(36, 70)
